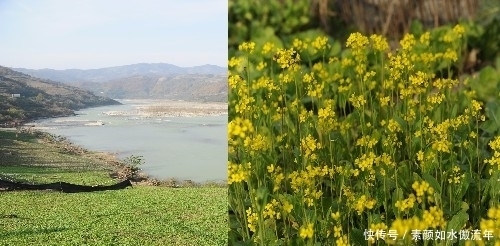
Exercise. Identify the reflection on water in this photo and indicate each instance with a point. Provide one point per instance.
(192, 148)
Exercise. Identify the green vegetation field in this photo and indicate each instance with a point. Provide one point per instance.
(142, 215)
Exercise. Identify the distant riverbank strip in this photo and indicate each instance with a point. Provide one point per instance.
(148, 108)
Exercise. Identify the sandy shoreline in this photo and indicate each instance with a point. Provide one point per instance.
(170, 108)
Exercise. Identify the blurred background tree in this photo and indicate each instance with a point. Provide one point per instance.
(279, 20)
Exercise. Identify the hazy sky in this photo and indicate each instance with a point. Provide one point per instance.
(62, 34)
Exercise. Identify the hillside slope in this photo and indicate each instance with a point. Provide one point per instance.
(24, 98)
(188, 87)
(146, 81)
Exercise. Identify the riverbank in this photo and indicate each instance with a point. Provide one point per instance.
(32, 144)
(144, 214)
(185, 148)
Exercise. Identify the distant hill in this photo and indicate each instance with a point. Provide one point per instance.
(111, 73)
(188, 87)
(145, 80)
(24, 98)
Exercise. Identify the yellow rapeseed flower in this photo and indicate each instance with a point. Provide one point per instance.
(366, 161)
(252, 219)
(240, 128)
(455, 177)
(393, 126)
(247, 47)
(421, 188)
(407, 42)
(336, 216)
(433, 218)
(256, 144)
(306, 231)
(476, 108)
(357, 41)
(235, 62)
(342, 241)
(378, 229)
(299, 45)
(270, 210)
(406, 204)
(268, 48)
(384, 101)
(278, 178)
(363, 203)
(441, 145)
(286, 57)
(234, 81)
(287, 207)
(270, 168)
(357, 101)
(238, 172)
(337, 231)
(309, 145)
(379, 42)
(402, 226)
(450, 55)
(425, 38)
(420, 155)
(459, 30)
(261, 66)
(494, 161)
(320, 43)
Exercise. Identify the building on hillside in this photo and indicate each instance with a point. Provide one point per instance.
(16, 95)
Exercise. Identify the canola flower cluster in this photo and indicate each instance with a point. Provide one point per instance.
(492, 223)
(396, 160)
(494, 161)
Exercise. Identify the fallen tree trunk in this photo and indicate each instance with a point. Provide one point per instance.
(62, 186)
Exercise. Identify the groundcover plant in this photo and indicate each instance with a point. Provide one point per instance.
(362, 146)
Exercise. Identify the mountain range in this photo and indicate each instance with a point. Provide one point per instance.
(118, 72)
(145, 80)
(25, 98)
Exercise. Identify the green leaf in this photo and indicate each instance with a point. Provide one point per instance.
(465, 206)
(357, 237)
(432, 182)
(380, 196)
(457, 221)
(494, 185)
(266, 35)
(401, 122)
(486, 84)
(497, 64)
(404, 179)
(489, 126)
(261, 198)
(336, 48)
(397, 196)
(464, 185)
(454, 111)
(416, 28)
(492, 111)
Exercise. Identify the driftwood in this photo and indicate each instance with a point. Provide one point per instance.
(62, 186)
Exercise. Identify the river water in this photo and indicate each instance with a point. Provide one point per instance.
(181, 147)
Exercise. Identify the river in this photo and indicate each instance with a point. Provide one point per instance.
(185, 142)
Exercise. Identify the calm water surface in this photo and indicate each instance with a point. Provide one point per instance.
(192, 148)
